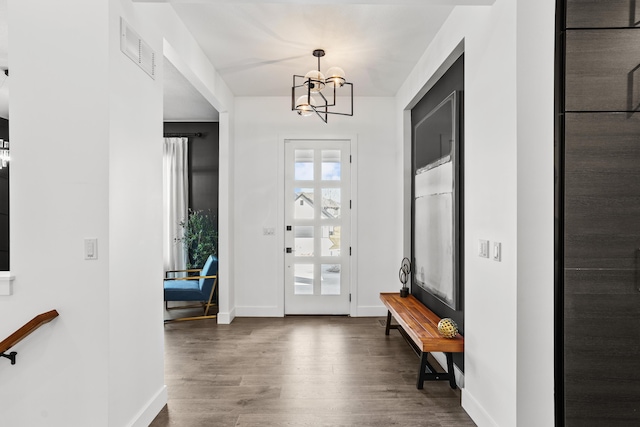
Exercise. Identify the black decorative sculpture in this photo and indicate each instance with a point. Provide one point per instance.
(403, 274)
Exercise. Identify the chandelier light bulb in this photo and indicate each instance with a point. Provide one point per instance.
(316, 80)
(304, 105)
(335, 77)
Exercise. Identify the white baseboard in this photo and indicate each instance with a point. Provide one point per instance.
(226, 318)
(153, 408)
(371, 311)
(476, 411)
(259, 311)
(247, 311)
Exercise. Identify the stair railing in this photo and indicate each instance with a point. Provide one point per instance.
(24, 332)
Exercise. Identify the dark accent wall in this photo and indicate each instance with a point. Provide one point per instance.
(452, 80)
(4, 204)
(203, 163)
(598, 210)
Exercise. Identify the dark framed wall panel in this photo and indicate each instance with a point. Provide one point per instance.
(602, 190)
(601, 381)
(4, 204)
(203, 163)
(4, 224)
(452, 80)
(602, 70)
(603, 13)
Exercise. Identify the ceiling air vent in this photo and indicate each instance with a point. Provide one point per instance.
(135, 48)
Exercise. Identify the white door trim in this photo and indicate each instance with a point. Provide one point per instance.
(280, 229)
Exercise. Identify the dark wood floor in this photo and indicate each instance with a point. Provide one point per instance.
(298, 371)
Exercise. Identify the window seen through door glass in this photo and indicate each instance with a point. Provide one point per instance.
(304, 165)
(331, 165)
(330, 241)
(303, 240)
(330, 279)
(303, 203)
(330, 203)
(303, 279)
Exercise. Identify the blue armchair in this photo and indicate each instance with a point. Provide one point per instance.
(198, 289)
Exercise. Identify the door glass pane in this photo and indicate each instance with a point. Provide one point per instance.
(304, 165)
(303, 279)
(331, 203)
(330, 279)
(331, 165)
(303, 199)
(303, 241)
(330, 240)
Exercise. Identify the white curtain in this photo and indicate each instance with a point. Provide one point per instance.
(175, 199)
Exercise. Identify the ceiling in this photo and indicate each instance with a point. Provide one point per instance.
(257, 45)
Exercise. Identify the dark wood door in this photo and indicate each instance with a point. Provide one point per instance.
(602, 300)
(599, 195)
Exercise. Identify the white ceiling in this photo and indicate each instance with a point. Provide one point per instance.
(257, 45)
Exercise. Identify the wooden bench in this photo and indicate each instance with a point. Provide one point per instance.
(419, 326)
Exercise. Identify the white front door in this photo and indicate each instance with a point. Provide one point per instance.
(317, 226)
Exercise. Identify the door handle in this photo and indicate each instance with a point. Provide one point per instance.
(288, 250)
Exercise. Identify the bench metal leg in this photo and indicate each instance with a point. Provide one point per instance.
(432, 374)
(422, 370)
(387, 327)
(451, 371)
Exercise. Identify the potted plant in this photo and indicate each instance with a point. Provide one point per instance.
(200, 238)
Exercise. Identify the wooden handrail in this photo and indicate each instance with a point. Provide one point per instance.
(27, 329)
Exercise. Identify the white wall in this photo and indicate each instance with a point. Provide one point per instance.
(260, 123)
(535, 59)
(188, 57)
(508, 169)
(54, 205)
(136, 336)
(226, 221)
(85, 128)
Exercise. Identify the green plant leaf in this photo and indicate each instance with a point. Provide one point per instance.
(200, 238)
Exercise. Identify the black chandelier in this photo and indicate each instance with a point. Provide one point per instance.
(315, 93)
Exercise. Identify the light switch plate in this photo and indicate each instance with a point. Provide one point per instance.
(90, 249)
(497, 251)
(268, 231)
(483, 248)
